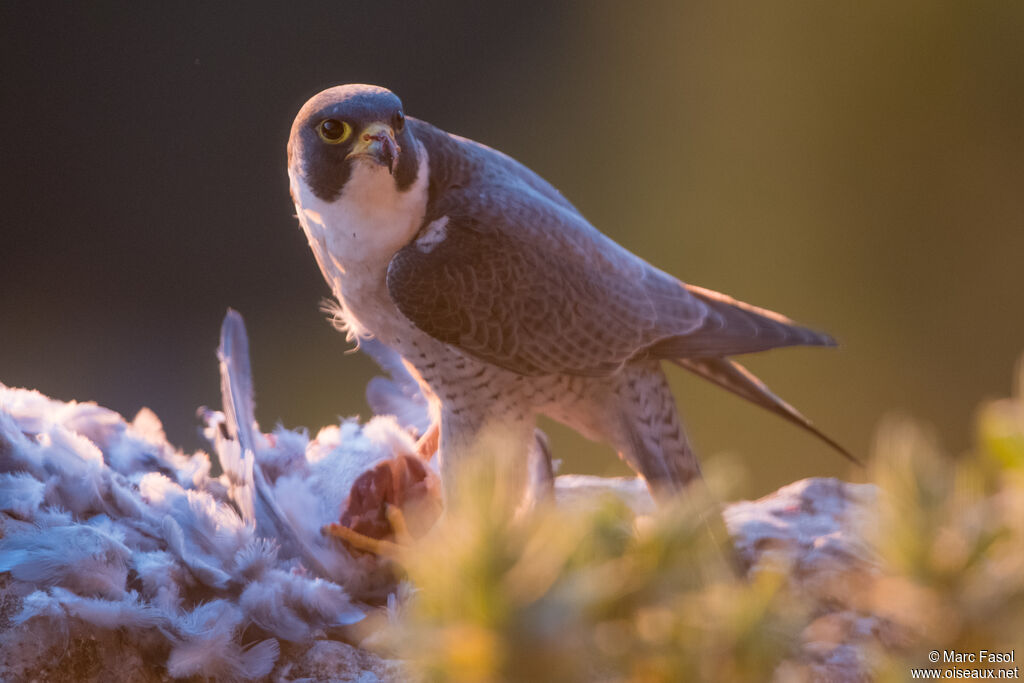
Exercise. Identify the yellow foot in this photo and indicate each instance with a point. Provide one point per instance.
(378, 546)
(397, 521)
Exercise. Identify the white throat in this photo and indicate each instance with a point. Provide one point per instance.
(355, 236)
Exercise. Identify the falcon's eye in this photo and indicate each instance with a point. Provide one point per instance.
(398, 121)
(333, 131)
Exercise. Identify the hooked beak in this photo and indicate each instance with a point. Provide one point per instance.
(377, 143)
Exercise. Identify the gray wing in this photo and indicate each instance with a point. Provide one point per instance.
(529, 285)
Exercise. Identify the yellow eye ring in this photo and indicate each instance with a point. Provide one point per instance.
(334, 131)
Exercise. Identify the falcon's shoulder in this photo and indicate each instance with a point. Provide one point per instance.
(458, 164)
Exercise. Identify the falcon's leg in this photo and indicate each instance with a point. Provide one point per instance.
(633, 411)
(651, 439)
(649, 435)
(540, 486)
(485, 453)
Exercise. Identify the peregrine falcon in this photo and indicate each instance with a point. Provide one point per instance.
(503, 300)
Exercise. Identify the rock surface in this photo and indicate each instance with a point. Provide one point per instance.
(816, 528)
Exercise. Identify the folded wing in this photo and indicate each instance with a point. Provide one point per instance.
(521, 282)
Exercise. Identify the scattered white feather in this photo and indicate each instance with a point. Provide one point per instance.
(294, 607)
(285, 453)
(39, 604)
(21, 494)
(399, 393)
(163, 579)
(84, 559)
(205, 572)
(256, 558)
(109, 614)
(109, 529)
(207, 645)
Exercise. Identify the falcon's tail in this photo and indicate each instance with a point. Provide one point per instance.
(733, 327)
(732, 376)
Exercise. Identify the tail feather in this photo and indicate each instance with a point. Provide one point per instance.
(733, 327)
(732, 376)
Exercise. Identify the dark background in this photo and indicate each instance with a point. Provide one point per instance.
(859, 167)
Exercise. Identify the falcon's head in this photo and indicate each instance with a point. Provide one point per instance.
(348, 127)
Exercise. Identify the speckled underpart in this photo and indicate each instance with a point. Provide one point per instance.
(632, 410)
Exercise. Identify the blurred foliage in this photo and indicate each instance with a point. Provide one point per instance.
(595, 593)
(586, 594)
(951, 534)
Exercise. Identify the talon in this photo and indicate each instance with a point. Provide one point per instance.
(397, 519)
(363, 542)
